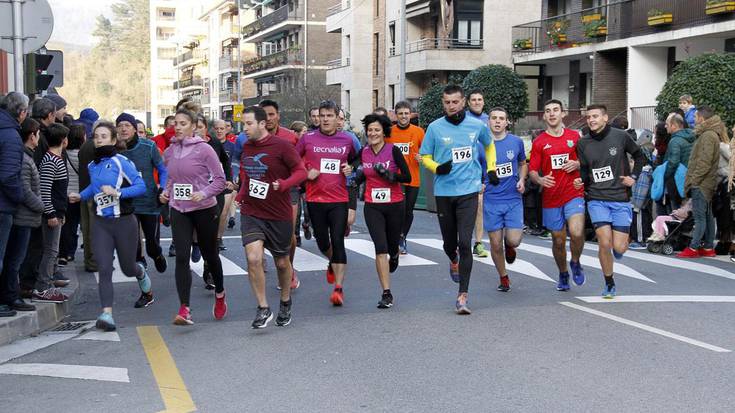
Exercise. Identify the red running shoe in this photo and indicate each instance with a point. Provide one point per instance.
(706, 252)
(220, 307)
(688, 253)
(337, 298)
(510, 255)
(183, 318)
(295, 282)
(330, 274)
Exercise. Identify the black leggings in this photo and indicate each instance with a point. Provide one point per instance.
(383, 222)
(410, 193)
(457, 222)
(205, 222)
(329, 221)
(152, 234)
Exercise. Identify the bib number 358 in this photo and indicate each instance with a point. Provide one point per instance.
(183, 192)
(461, 155)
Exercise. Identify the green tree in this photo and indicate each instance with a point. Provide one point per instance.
(430, 104)
(500, 86)
(708, 78)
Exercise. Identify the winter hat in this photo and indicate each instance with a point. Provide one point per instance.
(89, 115)
(58, 101)
(125, 117)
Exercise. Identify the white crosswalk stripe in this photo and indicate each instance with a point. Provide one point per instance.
(306, 261)
(228, 267)
(367, 248)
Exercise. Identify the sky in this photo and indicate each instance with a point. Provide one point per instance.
(74, 20)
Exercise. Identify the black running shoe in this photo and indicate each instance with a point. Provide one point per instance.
(262, 317)
(221, 245)
(161, 264)
(393, 263)
(386, 301)
(172, 250)
(145, 300)
(231, 223)
(208, 279)
(307, 231)
(284, 314)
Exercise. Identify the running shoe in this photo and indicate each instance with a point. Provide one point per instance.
(231, 223)
(49, 295)
(608, 292)
(221, 245)
(196, 253)
(61, 262)
(461, 305)
(337, 298)
(510, 254)
(617, 255)
(393, 263)
(307, 231)
(330, 274)
(144, 300)
(208, 278)
(262, 317)
(219, 311)
(298, 241)
(105, 322)
(688, 253)
(577, 272)
(183, 318)
(284, 314)
(504, 285)
(172, 250)
(142, 262)
(386, 301)
(403, 246)
(161, 264)
(563, 284)
(480, 250)
(145, 282)
(706, 252)
(732, 258)
(454, 270)
(545, 235)
(60, 280)
(637, 245)
(295, 282)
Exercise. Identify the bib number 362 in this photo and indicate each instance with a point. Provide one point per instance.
(183, 192)
(602, 174)
(381, 195)
(258, 189)
(329, 166)
(461, 155)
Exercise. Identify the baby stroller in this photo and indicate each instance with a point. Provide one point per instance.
(680, 234)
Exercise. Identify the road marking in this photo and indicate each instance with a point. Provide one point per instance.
(306, 261)
(67, 371)
(173, 390)
(99, 336)
(620, 269)
(29, 345)
(519, 266)
(117, 275)
(676, 263)
(661, 299)
(645, 327)
(367, 248)
(228, 267)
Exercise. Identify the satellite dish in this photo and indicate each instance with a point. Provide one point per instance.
(38, 23)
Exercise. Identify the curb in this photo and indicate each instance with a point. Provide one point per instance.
(46, 316)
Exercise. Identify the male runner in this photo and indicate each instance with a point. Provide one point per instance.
(475, 105)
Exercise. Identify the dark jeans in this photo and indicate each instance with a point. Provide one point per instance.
(6, 226)
(14, 255)
(69, 232)
(640, 228)
(87, 211)
(704, 221)
(30, 267)
(457, 221)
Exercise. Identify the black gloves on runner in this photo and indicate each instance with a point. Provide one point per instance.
(444, 168)
(492, 178)
(380, 169)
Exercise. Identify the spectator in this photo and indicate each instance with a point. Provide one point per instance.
(27, 217)
(13, 111)
(686, 105)
(44, 111)
(87, 118)
(677, 152)
(86, 208)
(60, 107)
(69, 238)
(661, 143)
(660, 230)
(140, 129)
(701, 182)
(721, 200)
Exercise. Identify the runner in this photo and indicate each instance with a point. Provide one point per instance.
(274, 128)
(554, 155)
(191, 163)
(449, 151)
(352, 188)
(220, 132)
(383, 170)
(147, 159)
(271, 167)
(408, 139)
(607, 179)
(475, 106)
(327, 153)
(503, 203)
(114, 184)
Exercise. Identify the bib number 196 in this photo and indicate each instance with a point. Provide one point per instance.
(463, 154)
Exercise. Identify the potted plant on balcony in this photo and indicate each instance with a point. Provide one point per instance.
(523, 44)
(658, 17)
(592, 17)
(596, 28)
(719, 6)
(556, 31)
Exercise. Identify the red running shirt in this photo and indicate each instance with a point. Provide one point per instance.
(548, 154)
(377, 189)
(286, 134)
(326, 154)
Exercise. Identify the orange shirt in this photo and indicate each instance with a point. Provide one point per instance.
(409, 142)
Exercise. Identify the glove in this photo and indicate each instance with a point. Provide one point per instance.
(492, 178)
(380, 169)
(444, 168)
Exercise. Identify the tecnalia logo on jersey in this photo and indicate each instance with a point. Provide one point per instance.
(339, 150)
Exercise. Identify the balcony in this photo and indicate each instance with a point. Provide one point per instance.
(187, 83)
(281, 19)
(227, 96)
(190, 58)
(338, 71)
(619, 20)
(285, 59)
(336, 17)
(227, 63)
(206, 99)
(428, 55)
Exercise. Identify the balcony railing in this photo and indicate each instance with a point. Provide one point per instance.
(440, 44)
(227, 95)
(227, 62)
(337, 63)
(619, 20)
(282, 58)
(271, 19)
(206, 98)
(184, 83)
(338, 8)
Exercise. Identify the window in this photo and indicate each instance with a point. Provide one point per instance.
(375, 98)
(559, 7)
(377, 8)
(392, 32)
(166, 14)
(469, 32)
(347, 100)
(347, 49)
(165, 111)
(166, 52)
(376, 53)
(392, 89)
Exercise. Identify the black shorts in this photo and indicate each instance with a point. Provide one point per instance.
(276, 235)
(295, 195)
(352, 192)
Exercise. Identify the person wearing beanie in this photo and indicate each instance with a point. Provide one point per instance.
(88, 117)
(60, 107)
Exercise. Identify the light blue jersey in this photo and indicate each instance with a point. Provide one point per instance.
(509, 152)
(445, 141)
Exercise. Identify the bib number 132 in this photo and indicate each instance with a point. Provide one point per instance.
(463, 154)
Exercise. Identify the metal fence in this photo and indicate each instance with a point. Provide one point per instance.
(643, 117)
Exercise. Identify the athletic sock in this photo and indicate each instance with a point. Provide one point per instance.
(609, 280)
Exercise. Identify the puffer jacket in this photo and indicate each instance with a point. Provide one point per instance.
(679, 150)
(703, 163)
(11, 161)
(30, 210)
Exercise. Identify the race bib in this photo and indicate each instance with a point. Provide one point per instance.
(329, 166)
(258, 189)
(103, 201)
(557, 161)
(602, 174)
(504, 170)
(381, 195)
(462, 155)
(404, 147)
(183, 192)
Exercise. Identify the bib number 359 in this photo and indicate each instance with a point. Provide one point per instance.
(461, 155)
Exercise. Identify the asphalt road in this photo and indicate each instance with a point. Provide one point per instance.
(532, 349)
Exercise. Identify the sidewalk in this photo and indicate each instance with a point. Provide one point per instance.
(46, 316)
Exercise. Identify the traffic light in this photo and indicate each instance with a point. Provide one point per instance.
(45, 71)
(41, 63)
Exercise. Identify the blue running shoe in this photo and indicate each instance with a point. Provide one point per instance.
(105, 322)
(454, 270)
(563, 284)
(577, 272)
(403, 246)
(196, 253)
(145, 282)
(608, 292)
(617, 255)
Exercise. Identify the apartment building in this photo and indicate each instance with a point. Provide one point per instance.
(292, 50)
(619, 52)
(162, 17)
(442, 38)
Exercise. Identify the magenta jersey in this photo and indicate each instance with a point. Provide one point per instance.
(377, 189)
(327, 154)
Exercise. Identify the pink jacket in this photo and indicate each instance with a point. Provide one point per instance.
(191, 161)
